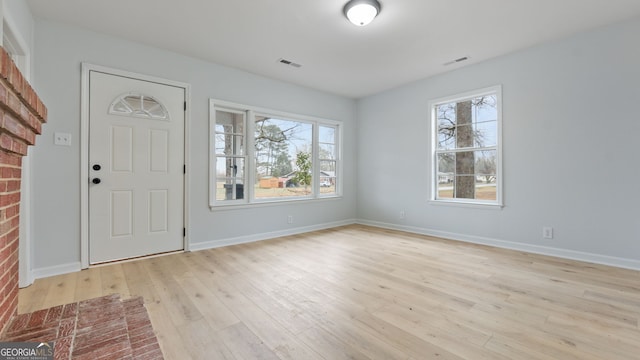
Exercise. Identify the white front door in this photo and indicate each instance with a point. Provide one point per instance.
(136, 162)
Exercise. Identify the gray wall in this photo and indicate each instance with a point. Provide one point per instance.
(60, 49)
(571, 127)
(570, 133)
(18, 13)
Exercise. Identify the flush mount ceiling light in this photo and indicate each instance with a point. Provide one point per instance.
(361, 12)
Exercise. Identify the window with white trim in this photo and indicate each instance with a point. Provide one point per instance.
(467, 151)
(229, 155)
(260, 156)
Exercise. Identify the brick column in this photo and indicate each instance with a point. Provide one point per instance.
(22, 114)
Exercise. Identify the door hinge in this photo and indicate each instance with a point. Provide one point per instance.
(184, 169)
(184, 232)
(185, 106)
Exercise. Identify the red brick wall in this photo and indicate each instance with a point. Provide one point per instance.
(22, 114)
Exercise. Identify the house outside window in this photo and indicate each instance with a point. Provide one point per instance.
(264, 156)
(466, 148)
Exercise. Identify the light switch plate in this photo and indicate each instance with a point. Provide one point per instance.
(62, 139)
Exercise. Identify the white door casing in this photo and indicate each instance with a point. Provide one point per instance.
(136, 208)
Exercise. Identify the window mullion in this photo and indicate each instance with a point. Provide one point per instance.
(214, 156)
(338, 175)
(250, 165)
(488, 148)
(315, 149)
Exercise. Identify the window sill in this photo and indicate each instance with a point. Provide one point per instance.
(494, 206)
(269, 203)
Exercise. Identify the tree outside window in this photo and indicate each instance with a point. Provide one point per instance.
(279, 144)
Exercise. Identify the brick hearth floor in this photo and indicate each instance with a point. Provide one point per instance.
(101, 328)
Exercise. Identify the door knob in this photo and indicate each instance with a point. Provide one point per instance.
(96, 180)
(97, 167)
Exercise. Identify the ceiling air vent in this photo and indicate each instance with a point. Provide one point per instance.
(464, 58)
(289, 62)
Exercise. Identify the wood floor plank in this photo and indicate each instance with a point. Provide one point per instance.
(89, 284)
(180, 307)
(452, 337)
(139, 282)
(278, 337)
(331, 347)
(357, 292)
(328, 316)
(212, 309)
(202, 342)
(242, 341)
(32, 298)
(401, 338)
(191, 340)
(61, 290)
(113, 280)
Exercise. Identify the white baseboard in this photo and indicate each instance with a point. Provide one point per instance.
(56, 270)
(266, 236)
(77, 266)
(535, 249)
(25, 279)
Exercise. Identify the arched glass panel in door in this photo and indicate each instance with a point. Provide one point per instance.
(139, 105)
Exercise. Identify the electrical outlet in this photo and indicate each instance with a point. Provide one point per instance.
(290, 219)
(403, 214)
(63, 139)
(547, 232)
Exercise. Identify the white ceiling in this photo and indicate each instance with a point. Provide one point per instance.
(409, 40)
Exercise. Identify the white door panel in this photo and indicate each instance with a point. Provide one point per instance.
(136, 137)
(121, 149)
(159, 151)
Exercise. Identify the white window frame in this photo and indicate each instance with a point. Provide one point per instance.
(231, 108)
(497, 90)
(250, 175)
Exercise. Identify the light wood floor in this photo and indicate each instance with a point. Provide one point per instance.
(363, 293)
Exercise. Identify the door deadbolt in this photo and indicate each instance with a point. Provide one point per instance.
(97, 167)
